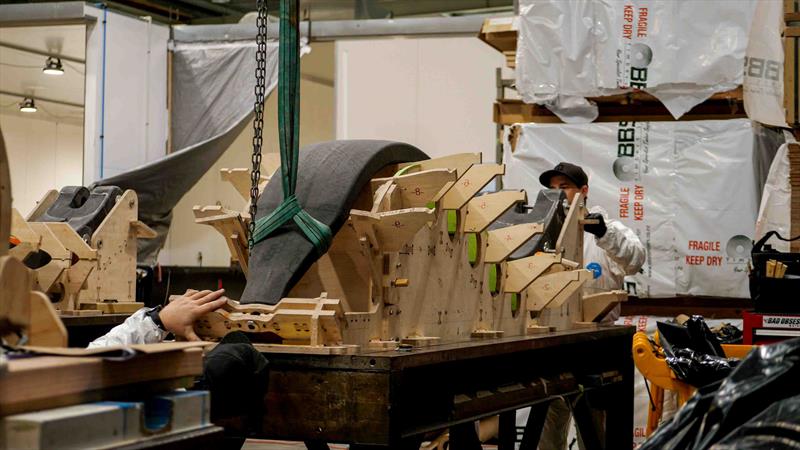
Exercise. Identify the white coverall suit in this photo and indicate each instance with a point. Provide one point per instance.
(137, 329)
(618, 253)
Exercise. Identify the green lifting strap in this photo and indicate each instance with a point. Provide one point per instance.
(289, 129)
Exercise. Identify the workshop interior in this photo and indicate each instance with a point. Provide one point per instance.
(400, 224)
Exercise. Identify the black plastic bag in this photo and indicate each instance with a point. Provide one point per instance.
(695, 335)
(680, 432)
(768, 375)
(699, 369)
(776, 427)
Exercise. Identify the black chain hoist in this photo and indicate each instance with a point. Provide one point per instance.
(258, 116)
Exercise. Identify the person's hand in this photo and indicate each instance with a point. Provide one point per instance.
(180, 314)
(598, 229)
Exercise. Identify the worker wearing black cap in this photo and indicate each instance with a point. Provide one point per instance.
(611, 252)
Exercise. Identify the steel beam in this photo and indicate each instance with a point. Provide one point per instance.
(37, 14)
(330, 30)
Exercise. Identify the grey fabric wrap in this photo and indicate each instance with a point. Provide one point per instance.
(161, 185)
(331, 176)
(548, 210)
(212, 105)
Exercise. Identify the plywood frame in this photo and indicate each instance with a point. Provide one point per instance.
(418, 286)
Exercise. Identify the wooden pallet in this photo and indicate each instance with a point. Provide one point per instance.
(638, 106)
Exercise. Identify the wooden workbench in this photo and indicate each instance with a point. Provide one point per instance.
(391, 398)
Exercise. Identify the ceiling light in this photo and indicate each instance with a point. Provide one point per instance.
(53, 66)
(27, 106)
(220, 1)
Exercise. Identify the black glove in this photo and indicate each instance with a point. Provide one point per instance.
(598, 229)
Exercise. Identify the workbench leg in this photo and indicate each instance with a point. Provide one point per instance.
(464, 437)
(534, 426)
(507, 434)
(619, 413)
(585, 423)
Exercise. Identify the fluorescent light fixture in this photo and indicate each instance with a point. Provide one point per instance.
(27, 106)
(53, 66)
(220, 1)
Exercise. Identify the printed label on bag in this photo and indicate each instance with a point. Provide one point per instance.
(781, 322)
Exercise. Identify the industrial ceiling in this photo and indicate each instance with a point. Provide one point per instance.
(231, 11)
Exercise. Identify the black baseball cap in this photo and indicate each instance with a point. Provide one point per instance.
(571, 171)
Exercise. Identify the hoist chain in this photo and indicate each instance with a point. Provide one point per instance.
(258, 110)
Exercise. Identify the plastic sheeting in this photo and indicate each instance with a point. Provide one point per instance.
(213, 103)
(680, 51)
(761, 386)
(763, 71)
(774, 212)
(688, 189)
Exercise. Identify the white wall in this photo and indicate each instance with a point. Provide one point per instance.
(435, 93)
(189, 244)
(42, 155)
(135, 106)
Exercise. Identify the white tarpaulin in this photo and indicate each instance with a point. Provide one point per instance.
(763, 71)
(775, 209)
(680, 51)
(690, 190)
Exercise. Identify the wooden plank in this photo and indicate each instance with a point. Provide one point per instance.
(502, 242)
(554, 289)
(143, 231)
(510, 112)
(15, 284)
(42, 205)
(240, 179)
(47, 276)
(296, 321)
(29, 239)
(500, 33)
(114, 277)
(570, 239)
(83, 261)
(520, 273)
(460, 162)
(114, 307)
(485, 209)
(790, 80)
(596, 306)
(792, 32)
(392, 229)
(473, 180)
(794, 204)
(308, 349)
(46, 328)
(50, 379)
(231, 226)
(417, 189)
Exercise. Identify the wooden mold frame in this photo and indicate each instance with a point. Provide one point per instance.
(232, 225)
(22, 310)
(88, 278)
(403, 272)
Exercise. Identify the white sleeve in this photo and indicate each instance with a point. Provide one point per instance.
(137, 329)
(623, 247)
